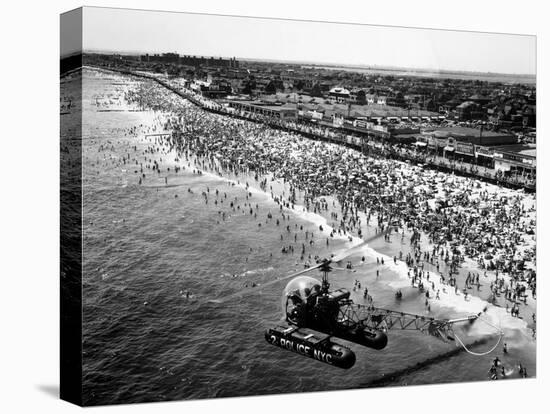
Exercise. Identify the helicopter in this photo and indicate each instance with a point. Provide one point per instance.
(315, 315)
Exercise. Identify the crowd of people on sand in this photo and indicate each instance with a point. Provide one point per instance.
(448, 219)
(402, 151)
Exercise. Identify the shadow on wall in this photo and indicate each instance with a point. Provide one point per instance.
(49, 389)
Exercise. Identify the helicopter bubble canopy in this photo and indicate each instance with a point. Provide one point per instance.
(300, 289)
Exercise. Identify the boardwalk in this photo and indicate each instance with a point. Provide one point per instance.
(362, 140)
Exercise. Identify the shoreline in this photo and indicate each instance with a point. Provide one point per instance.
(453, 303)
(464, 269)
(388, 249)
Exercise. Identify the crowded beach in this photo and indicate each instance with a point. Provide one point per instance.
(450, 218)
(462, 236)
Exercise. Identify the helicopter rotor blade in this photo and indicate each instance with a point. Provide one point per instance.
(264, 285)
(335, 259)
(352, 249)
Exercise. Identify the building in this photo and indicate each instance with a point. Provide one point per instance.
(170, 58)
(190, 60)
(297, 81)
(339, 95)
(515, 159)
(495, 150)
(371, 98)
(472, 135)
(211, 89)
(382, 100)
(283, 112)
(468, 110)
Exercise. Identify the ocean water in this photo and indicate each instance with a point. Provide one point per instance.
(146, 245)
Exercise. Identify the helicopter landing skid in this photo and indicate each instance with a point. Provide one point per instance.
(311, 344)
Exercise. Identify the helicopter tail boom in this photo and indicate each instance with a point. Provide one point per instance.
(384, 319)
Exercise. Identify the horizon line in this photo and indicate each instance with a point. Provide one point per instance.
(318, 63)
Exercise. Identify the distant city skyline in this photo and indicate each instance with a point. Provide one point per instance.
(331, 65)
(139, 32)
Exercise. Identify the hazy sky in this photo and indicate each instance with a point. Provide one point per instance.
(194, 34)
